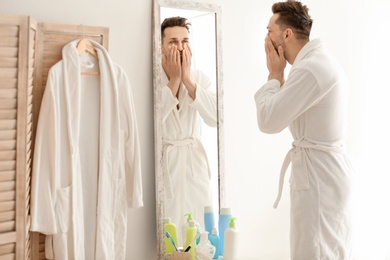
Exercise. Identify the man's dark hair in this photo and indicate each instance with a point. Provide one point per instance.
(172, 22)
(293, 14)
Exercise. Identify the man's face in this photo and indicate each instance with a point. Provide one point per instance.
(175, 36)
(274, 33)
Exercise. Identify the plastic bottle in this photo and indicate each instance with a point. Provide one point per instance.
(191, 232)
(231, 241)
(209, 221)
(184, 229)
(214, 239)
(223, 223)
(204, 250)
(171, 228)
(185, 225)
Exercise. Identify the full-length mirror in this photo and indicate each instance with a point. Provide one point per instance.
(188, 113)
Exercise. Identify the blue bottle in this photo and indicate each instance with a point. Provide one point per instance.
(214, 239)
(209, 221)
(224, 216)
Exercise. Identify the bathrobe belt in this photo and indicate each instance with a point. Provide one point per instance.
(169, 145)
(301, 144)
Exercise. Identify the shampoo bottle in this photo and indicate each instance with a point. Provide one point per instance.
(184, 229)
(224, 216)
(214, 239)
(231, 241)
(209, 221)
(191, 232)
(171, 228)
(205, 250)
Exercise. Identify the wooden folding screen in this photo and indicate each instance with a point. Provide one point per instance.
(17, 44)
(27, 51)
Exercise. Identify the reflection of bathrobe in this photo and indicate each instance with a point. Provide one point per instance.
(313, 103)
(186, 171)
(87, 168)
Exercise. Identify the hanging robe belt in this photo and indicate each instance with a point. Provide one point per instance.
(300, 144)
(169, 145)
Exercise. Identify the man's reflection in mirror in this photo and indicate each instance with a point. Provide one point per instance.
(187, 98)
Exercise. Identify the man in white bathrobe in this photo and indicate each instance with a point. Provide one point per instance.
(186, 96)
(312, 102)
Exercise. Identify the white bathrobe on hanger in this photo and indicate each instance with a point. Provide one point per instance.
(313, 102)
(87, 167)
(187, 179)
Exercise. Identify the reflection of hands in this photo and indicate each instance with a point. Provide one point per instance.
(186, 63)
(276, 61)
(186, 70)
(172, 66)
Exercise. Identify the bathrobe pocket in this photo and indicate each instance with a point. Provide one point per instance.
(299, 179)
(200, 167)
(63, 208)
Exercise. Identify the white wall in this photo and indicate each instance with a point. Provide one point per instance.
(355, 34)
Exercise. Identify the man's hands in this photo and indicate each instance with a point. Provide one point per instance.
(171, 63)
(177, 66)
(186, 64)
(276, 61)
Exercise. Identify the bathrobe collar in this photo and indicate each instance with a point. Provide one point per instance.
(109, 110)
(307, 49)
(109, 136)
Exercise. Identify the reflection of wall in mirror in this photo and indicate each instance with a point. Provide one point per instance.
(203, 46)
(204, 51)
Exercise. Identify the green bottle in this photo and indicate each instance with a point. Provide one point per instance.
(191, 238)
(183, 230)
(171, 228)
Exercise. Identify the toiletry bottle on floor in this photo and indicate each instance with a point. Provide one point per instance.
(214, 239)
(224, 216)
(204, 250)
(191, 232)
(209, 221)
(184, 229)
(171, 228)
(231, 241)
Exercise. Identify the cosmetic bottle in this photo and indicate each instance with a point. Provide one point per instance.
(223, 224)
(191, 232)
(185, 225)
(171, 228)
(209, 221)
(204, 250)
(231, 241)
(214, 239)
(184, 229)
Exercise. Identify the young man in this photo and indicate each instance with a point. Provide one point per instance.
(312, 102)
(185, 96)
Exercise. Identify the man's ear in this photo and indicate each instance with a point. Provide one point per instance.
(288, 34)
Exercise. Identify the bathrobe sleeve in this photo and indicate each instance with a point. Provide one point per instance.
(206, 100)
(43, 184)
(132, 147)
(169, 102)
(278, 107)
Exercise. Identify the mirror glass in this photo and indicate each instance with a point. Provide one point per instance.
(189, 168)
(203, 48)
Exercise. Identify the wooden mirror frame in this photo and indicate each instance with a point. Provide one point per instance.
(157, 72)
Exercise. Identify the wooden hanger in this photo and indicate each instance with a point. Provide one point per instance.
(86, 45)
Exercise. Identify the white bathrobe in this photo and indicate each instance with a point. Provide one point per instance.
(87, 167)
(313, 103)
(187, 179)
